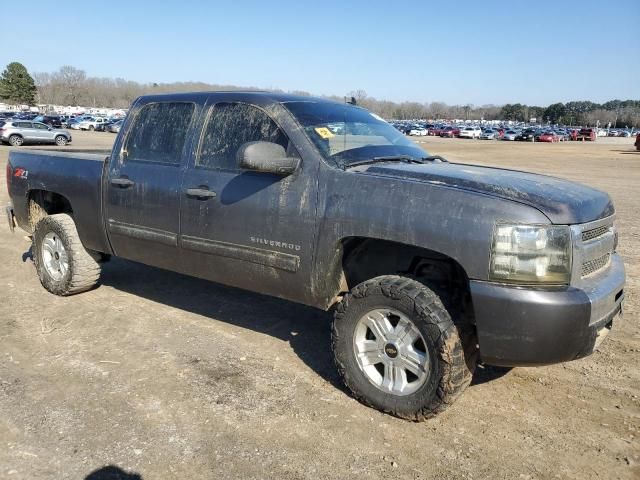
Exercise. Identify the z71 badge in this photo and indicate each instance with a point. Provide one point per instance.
(21, 173)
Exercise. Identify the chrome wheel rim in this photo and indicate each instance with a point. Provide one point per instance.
(54, 256)
(391, 351)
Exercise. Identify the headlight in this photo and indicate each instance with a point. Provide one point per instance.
(531, 254)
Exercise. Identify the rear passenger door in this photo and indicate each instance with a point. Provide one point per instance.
(142, 188)
(248, 229)
(27, 131)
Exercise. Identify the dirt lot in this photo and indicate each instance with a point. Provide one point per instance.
(171, 377)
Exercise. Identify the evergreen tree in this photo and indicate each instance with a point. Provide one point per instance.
(16, 85)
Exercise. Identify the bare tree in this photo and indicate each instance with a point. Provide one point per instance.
(73, 83)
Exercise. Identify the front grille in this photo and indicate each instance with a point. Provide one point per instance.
(592, 266)
(595, 232)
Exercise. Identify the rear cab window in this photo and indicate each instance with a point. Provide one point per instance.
(159, 132)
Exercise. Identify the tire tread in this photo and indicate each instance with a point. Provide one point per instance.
(456, 369)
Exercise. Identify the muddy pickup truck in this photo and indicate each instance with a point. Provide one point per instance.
(429, 266)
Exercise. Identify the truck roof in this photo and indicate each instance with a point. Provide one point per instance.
(273, 96)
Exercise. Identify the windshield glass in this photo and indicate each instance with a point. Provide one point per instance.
(345, 134)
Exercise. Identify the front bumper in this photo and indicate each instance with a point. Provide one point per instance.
(523, 326)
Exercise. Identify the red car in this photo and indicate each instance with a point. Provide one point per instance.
(435, 130)
(450, 132)
(551, 137)
(637, 144)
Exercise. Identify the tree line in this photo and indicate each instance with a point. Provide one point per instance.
(72, 86)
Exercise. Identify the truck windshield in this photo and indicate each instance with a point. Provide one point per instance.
(346, 134)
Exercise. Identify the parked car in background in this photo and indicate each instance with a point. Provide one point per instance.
(548, 136)
(470, 132)
(418, 131)
(20, 132)
(115, 127)
(585, 134)
(436, 130)
(527, 135)
(103, 126)
(51, 120)
(510, 135)
(91, 123)
(489, 134)
(450, 132)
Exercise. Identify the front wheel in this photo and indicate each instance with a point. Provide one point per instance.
(61, 140)
(63, 265)
(397, 348)
(91, 128)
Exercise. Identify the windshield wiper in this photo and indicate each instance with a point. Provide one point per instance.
(435, 159)
(389, 158)
(396, 158)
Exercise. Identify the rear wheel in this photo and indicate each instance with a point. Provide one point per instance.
(63, 265)
(398, 350)
(61, 140)
(91, 128)
(16, 140)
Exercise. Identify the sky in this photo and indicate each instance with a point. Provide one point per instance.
(457, 52)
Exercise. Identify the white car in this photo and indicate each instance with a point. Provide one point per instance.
(418, 131)
(91, 123)
(470, 132)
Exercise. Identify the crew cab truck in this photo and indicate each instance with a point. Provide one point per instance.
(429, 266)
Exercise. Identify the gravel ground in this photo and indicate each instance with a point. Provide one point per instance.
(165, 376)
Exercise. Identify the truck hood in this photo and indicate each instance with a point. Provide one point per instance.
(562, 201)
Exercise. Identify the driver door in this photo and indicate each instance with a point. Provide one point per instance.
(253, 230)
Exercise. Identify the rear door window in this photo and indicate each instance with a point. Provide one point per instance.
(159, 132)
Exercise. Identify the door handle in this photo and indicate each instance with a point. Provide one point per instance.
(201, 193)
(122, 182)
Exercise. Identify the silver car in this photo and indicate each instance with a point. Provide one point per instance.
(19, 132)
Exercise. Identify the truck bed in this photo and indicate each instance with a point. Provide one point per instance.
(75, 175)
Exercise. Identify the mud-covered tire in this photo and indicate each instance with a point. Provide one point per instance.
(450, 372)
(83, 272)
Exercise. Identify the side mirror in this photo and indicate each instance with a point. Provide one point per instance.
(266, 157)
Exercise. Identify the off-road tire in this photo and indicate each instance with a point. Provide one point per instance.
(83, 272)
(16, 140)
(450, 371)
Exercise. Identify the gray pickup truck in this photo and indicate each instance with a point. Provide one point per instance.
(430, 266)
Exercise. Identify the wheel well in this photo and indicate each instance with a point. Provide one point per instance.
(43, 203)
(365, 258)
